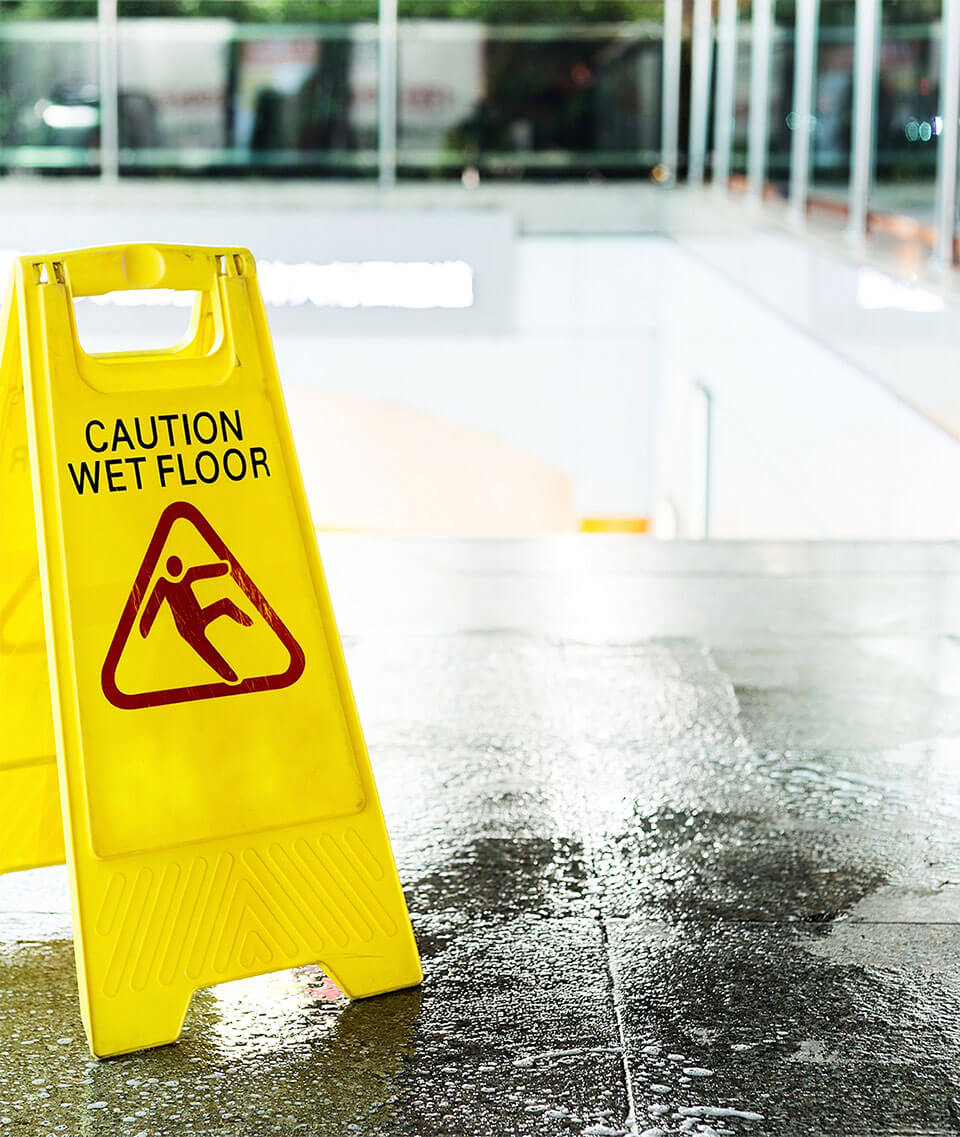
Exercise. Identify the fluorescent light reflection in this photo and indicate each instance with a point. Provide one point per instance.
(69, 117)
(368, 284)
(340, 284)
(876, 290)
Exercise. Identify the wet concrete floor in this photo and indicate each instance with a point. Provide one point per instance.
(679, 831)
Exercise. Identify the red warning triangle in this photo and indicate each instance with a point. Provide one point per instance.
(175, 589)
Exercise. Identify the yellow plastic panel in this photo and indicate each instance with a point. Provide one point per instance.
(31, 832)
(220, 814)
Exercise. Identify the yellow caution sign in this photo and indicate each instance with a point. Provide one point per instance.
(31, 832)
(219, 811)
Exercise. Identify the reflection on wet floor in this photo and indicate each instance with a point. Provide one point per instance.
(663, 881)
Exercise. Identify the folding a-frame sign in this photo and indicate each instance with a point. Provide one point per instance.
(171, 680)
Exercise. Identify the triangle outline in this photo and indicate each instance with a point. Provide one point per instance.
(248, 915)
(164, 696)
(258, 954)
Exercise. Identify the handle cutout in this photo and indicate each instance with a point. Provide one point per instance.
(146, 321)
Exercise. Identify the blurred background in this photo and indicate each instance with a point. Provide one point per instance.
(675, 267)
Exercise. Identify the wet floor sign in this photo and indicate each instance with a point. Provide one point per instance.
(219, 814)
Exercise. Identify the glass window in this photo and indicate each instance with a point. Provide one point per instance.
(780, 124)
(49, 94)
(503, 88)
(741, 97)
(833, 107)
(711, 99)
(908, 118)
(509, 88)
(224, 94)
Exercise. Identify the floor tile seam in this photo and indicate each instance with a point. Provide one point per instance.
(596, 884)
(630, 1121)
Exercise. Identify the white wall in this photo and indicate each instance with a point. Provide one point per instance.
(573, 383)
(558, 356)
(806, 443)
(583, 352)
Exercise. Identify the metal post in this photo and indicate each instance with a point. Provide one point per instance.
(670, 101)
(804, 80)
(387, 93)
(701, 485)
(700, 88)
(109, 94)
(946, 218)
(726, 88)
(758, 126)
(866, 43)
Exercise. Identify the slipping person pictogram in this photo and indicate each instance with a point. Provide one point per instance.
(174, 585)
(192, 619)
